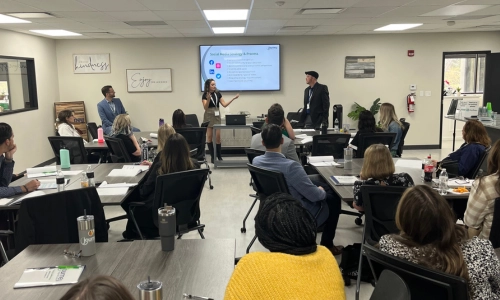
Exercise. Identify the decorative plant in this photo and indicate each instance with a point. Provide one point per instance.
(354, 114)
(458, 89)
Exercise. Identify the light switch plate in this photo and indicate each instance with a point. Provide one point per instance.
(427, 93)
(413, 87)
(421, 93)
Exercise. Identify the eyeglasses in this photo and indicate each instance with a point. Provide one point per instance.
(72, 254)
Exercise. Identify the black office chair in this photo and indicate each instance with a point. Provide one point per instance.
(482, 166)
(182, 190)
(196, 138)
(255, 130)
(51, 218)
(403, 136)
(294, 119)
(368, 139)
(380, 204)
(495, 225)
(205, 124)
(3, 254)
(192, 120)
(92, 128)
(390, 286)
(119, 153)
(74, 144)
(258, 124)
(424, 283)
(330, 145)
(251, 154)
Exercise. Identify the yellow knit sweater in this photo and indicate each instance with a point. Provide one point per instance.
(263, 276)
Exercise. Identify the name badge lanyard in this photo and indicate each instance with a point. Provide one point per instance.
(217, 113)
(310, 96)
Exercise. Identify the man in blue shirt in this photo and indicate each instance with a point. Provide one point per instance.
(109, 108)
(301, 187)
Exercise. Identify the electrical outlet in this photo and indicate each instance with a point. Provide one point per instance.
(413, 87)
(427, 93)
(421, 93)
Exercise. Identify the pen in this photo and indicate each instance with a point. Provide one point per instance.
(196, 297)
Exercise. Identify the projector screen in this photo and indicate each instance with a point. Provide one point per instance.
(241, 67)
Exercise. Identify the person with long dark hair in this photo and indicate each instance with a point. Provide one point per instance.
(7, 149)
(430, 237)
(179, 119)
(296, 268)
(366, 124)
(65, 120)
(211, 100)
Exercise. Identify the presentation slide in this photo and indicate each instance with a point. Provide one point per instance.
(241, 67)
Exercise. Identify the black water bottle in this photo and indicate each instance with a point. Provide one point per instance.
(324, 128)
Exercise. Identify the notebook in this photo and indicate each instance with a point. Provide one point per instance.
(49, 276)
(344, 180)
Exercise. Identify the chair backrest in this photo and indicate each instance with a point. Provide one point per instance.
(294, 119)
(255, 130)
(368, 139)
(258, 124)
(267, 182)
(424, 283)
(205, 124)
(482, 165)
(403, 136)
(181, 190)
(74, 144)
(192, 119)
(330, 144)
(3, 253)
(51, 218)
(253, 153)
(92, 128)
(119, 153)
(390, 286)
(380, 204)
(495, 226)
(196, 138)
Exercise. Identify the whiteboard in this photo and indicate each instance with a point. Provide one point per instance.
(91, 63)
(149, 80)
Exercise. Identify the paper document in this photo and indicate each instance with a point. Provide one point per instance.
(41, 172)
(455, 182)
(304, 130)
(344, 180)
(30, 195)
(5, 201)
(104, 184)
(71, 173)
(154, 135)
(322, 161)
(306, 140)
(409, 163)
(352, 146)
(112, 191)
(124, 172)
(49, 276)
(135, 167)
(50, 184)
(300, 136)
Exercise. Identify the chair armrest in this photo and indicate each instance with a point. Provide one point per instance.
(135, 204)
(6, 232)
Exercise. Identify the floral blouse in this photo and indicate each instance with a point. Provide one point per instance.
(401, 179)
(480, 258)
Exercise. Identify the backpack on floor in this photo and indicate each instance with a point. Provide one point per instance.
(350, 263)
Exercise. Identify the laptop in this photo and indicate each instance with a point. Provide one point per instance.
(236, 120)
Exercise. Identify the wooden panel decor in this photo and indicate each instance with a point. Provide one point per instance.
(80, 119)
(359, 67)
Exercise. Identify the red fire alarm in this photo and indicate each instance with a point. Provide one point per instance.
(411, 53)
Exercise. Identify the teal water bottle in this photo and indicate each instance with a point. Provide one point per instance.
(64, 155)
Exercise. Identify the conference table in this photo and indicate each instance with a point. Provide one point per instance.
(196, 267)
(152, 142)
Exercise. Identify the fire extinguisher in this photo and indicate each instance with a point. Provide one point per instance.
(410, 101)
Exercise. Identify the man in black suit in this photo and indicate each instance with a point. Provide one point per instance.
(316, 102)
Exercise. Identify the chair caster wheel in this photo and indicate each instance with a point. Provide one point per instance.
(243, 230)
(209, 172)
(358, 221)
(211, 187)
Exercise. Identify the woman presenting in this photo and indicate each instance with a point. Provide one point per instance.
(211, 99)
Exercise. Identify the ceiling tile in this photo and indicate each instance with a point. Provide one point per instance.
(305, 22)
(167, 35)
(224, 4)
(352, 21)
(57, 5)
(269, 30)
(180, 15)
(195, 30)
(480, 2)
(160, 30)
(85, 16)
(170, 5)
(331, 3)
(329, 29)
(492, 10)
(204, 34)
(364, 12)
(410, 11)
(272, 4)
(264, 14)
(266, 23)
(134, 15)
(126, 31)
(109, 25)
(291, 32)
(375, 3)
(102, 35)
(136, 36)
(433, 2)
(114, 5)
(363, 27)
(11, 7)
(188, 24)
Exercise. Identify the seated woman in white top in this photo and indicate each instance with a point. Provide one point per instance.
(65, 127)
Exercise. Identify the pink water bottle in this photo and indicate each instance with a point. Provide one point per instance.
(100, 137)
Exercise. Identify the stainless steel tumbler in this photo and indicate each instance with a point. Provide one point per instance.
(150, 290)
(347, 158)
(86, 234)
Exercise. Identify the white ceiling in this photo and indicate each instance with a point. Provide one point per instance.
(106, 18)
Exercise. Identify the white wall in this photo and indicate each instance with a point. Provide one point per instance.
(32, 128)
(395, 71)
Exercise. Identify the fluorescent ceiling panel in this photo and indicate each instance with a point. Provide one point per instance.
(8, 19)
(226, 14)
(31, 15)
(397, 27)
(454, 10)
(56, 32)
(312, 11)
(226, 30)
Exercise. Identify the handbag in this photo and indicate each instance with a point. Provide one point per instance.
(294, 119)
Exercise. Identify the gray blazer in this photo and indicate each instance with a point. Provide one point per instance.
(288, 147)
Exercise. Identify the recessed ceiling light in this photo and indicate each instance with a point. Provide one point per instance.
(454, 10)
(223, 30)
(397, 27)
(32, 15)
(8, 19)
(226, 14)
(314, 11)
(56, 32)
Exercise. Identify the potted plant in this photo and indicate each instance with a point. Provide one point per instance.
(354, 114)
(2, 96)
(458, 91)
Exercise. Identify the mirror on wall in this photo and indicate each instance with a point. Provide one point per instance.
(17, 85)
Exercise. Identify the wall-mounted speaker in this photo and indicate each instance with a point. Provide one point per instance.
(337, 114)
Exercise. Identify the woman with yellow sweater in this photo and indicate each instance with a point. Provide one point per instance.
(296, 268)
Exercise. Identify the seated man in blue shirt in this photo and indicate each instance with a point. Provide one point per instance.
(109, 108)
(301, 187)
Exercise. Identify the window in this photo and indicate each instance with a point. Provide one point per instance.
(465, 71)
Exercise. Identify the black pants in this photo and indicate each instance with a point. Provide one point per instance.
(334, 206)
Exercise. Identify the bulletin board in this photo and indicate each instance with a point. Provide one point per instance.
(80, 117)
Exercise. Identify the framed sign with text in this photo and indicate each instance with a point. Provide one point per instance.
(149, 80)
(91, 63)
